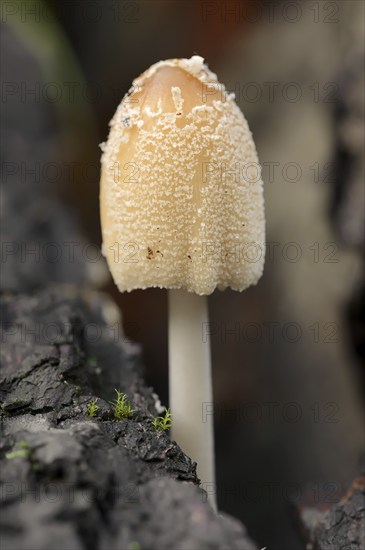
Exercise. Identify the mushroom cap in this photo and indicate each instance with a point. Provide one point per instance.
(181, 193)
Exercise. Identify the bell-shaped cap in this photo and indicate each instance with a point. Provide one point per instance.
(181, 191)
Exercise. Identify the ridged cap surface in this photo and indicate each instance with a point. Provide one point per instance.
(181, 193)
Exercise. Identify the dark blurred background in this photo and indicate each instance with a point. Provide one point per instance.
(288, 354)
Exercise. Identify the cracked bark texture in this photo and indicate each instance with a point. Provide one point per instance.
(342, 527)
(90, 482)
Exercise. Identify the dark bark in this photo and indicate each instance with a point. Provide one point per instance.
(342, 527)
(70, 481)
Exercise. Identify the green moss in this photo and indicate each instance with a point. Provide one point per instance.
(162, 423)
(22, 450)
(122, 407)
(92, 408)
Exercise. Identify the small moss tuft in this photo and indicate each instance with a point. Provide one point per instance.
(162, 423)
(23, 451)
(92, 408)
(122, 407)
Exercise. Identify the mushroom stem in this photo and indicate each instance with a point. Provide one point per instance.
(190, 383)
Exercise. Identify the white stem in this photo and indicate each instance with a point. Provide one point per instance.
(190, 383)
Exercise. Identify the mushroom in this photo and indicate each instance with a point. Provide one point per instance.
(182, 208)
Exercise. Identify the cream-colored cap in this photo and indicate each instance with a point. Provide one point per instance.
(181, 192)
